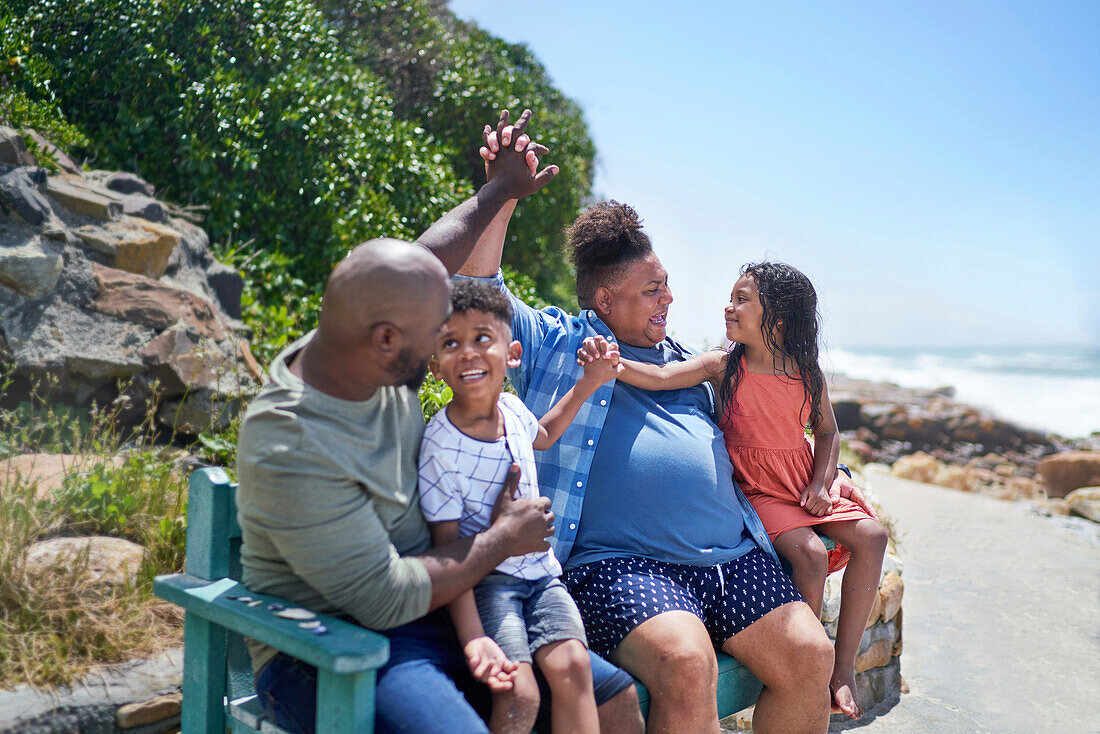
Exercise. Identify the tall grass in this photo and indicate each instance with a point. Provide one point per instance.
(58, 624)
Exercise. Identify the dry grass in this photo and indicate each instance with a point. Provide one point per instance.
(58, 624)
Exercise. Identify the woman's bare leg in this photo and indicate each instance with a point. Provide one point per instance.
(788, 650)
(673, 656)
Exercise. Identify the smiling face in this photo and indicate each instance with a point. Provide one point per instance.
(474, 351)
(636, 307)
(745, 313)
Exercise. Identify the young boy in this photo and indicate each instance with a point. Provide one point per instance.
(521, 611)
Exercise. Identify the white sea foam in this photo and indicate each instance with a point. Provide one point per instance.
(1055, 389)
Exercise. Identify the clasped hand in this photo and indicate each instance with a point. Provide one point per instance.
(816, 500)
(512, 158)
(600, 359)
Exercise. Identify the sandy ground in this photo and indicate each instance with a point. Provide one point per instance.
(1002, 616)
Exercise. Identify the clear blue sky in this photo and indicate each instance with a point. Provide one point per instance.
(934, 167)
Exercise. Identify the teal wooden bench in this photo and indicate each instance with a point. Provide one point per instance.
(218, 688)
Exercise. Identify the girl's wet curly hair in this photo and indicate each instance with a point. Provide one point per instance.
(789, 325)
(604, 239)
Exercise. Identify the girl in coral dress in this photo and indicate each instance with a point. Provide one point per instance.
(770, 389)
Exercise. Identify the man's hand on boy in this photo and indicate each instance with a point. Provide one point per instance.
(509, 154)
(489, 664)
(525, 524)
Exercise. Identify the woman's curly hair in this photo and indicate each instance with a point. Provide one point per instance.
(605, 237)
(789, 325)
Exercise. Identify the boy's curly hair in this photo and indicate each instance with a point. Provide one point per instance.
(470, 295)
(605, 237)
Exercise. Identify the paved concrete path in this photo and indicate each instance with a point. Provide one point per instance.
(1002, 616)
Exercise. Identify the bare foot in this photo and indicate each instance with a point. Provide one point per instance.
(843, 689)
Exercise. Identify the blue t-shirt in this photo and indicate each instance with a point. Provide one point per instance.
(661, 483)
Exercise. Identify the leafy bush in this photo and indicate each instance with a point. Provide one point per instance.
(300, 129)
(451, 77)
(27, 98)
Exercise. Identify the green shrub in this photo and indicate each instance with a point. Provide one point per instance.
(27, 98)
(451, 77)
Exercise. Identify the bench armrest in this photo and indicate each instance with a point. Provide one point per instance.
(345, 648)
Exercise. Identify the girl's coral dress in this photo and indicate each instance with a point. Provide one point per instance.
(772, 460)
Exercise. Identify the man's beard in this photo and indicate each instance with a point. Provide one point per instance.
(409, 370)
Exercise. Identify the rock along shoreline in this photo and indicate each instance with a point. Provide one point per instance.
(928, 436)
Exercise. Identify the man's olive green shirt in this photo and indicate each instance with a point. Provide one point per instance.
(327, 502)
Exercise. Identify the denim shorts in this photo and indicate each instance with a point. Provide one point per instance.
(425, 686)
(521, 615)
(615, 595)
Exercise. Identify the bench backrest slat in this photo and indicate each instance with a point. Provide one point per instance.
(213, 535)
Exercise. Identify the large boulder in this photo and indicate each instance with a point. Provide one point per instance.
(1085, 502)
(23, 195)
(13, 149)
(920, 467)
(1069, 470)
(31, 267)
(105, 296)
(110, 561)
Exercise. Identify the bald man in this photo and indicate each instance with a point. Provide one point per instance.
(327, 463)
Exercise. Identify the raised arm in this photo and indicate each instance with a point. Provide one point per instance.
(672, 376)
(596, 372)
(484, 261)
(511, 176)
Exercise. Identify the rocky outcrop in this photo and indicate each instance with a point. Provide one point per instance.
(929, 437)
(991, 474)
(883, 422)
(1069, 470)
(105, 294)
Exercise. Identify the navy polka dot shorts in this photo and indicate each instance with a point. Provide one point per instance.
(616, 595)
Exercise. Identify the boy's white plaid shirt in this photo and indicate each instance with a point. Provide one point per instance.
(549, 369)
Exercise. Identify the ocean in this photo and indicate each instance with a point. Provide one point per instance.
(1050, 388)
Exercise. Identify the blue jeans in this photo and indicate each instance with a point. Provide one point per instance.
(424, 687)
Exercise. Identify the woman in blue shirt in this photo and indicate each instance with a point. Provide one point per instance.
(665, 558)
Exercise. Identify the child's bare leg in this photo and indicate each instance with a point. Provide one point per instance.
(809, 560)
(515, 710)
(572, 703)
(866, 539)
